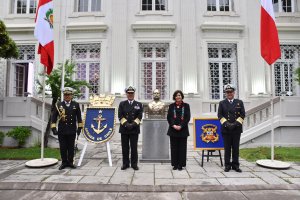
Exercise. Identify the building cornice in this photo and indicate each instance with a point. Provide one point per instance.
(224, 26)
(95, 26)
(20, 27)
(153, 26)
(288, 27)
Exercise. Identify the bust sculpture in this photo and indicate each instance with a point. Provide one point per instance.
(156, 107)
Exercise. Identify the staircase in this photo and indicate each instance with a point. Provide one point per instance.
(257, 123)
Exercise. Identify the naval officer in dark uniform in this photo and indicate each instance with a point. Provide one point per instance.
(231, 114)
(68, 115)
(130, 114)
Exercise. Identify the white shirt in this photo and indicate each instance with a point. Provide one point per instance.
(230, 101)
(130, 102)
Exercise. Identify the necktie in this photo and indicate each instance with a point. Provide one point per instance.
(67, 104)
(230, 101)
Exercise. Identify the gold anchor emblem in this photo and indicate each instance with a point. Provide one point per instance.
(99, 119)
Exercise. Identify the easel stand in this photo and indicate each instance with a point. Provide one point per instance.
(210, 154)
(107, 150)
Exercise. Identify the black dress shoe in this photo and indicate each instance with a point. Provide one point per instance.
(238, 170)
(72, 166)
(124, 167)
(227, 169)
(62, 166)
(175, 168)
(135, 167)
(179, 168)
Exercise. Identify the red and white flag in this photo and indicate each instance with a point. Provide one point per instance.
(269, 42)
(44, 33)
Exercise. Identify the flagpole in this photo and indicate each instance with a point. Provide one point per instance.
(43, 114)
(272, 112)
(274, 164)
(42, 162)
(64, 54)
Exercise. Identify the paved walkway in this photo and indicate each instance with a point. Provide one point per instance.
(95, 177)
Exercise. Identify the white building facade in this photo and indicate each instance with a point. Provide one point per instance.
(193, 45)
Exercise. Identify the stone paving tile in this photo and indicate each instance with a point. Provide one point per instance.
(106, 171)
(270, 178)
(63, 179)
(296, 167)
(95, 179)
(30, 171)
(163, 173)
(280, 174)
(146, 168)
(293, 173)
(208, 181)
(26, 195)
(85, 195)
(161, 166)
(25, 178)
(149, 196)
(261, 169)
(240, 181)
(272, 194)
(121, 177)
(247, 164)
(82, 172)
(93, 163)
(224, 195)
(293, 180)
(245, 169)
(213, 169)
(3, 171)
(214, 174)
(55, 171)
(198, 175)
(143, 179)
(233, 174)
(194, 168)
(180, 174)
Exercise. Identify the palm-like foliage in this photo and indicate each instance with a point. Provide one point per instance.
(54, 82)
(8, 48)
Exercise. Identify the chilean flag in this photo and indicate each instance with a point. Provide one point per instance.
(269, 42)
(44, 33)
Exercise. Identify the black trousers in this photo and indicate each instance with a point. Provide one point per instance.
(129, 141)
(178, 151)
(231, 145)
(66, 145)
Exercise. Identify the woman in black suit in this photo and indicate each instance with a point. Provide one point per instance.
(178, 118)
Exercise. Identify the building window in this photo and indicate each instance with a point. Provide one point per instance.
(154, 5)
(88, 5)
(23, 76)
(223, 68)
(23, 6)
(284, 6)
(219, 5)
(284, 69)
(153, 69)
(87, 59)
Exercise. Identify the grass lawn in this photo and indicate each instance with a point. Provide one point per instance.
(281, 153)
(27, 153)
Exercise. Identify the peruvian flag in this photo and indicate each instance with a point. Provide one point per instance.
(44, 33)
(269, 42)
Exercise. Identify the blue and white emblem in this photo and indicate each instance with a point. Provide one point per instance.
(99, 124)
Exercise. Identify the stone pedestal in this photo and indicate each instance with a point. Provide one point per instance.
(155, 141)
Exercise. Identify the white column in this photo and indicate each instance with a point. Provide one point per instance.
(2, 77)
(188, 46)
(119, 46)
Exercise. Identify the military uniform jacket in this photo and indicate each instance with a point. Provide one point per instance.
(184, 131)
(130, 113)
(67, 118)
(231, 113)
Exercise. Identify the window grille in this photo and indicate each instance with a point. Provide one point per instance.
(154, 69)
(219, 5)
(223, 68)
(284, 69)
(87, 59)
(154, 5)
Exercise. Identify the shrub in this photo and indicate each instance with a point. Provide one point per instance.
(2, 135)
(20, 134)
